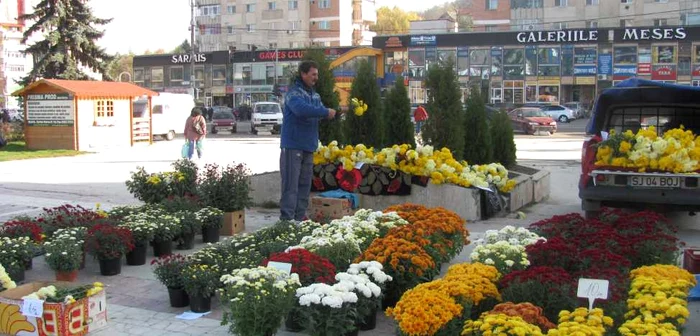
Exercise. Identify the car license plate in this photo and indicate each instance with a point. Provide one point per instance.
(655, 181)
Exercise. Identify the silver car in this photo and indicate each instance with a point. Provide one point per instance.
(578, 108)
(559, 113)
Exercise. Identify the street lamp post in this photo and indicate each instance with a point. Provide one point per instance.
(192, 63)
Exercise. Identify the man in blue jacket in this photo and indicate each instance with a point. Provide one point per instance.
(303, 110)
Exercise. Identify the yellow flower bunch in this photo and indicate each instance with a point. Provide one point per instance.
(154, 179)
(5, 280)
(484, 271)
(582, 322)
(657, 298)
(647, 325)
(440, 165)
(465, 288)
(96, 288)
(500, 324)
(678, 150)
(422, 311)
(359, 107)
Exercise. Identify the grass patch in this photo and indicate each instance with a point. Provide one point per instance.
(18, 151)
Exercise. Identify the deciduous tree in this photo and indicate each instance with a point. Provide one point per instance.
(393, 21)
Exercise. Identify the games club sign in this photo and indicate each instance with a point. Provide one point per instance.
(294, 55)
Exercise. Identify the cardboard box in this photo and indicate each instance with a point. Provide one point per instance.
(59, 319)
(234, 222)
(691, 260)
(330, 208)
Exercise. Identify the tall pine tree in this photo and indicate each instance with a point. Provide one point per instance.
(477, 142)
(68, 29)
(329, 130)
(365, 129)
(397, 117)
(504, 150)
(445, 124)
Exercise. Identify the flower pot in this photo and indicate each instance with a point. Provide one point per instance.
(28, 264)
(137, 256)
(353, 333)
(210, 234)
(186, 242)
(16, 274)
(178, 297)
(292, 321)
(110, 266)
(369, 322)
(389, 300)
(162, 248)
(200, 304)
(69, 276)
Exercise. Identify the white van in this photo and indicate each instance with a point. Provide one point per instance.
(170, 111)
(267, 116)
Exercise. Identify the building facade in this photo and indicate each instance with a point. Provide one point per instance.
(546, 66)
(282, 24)
(172, 73)
(15, 64)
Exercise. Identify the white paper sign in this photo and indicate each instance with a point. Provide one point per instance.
(33, 308)
(592, 289)
(188, 315)
(359, 165)
(284, 267)
(604, 135)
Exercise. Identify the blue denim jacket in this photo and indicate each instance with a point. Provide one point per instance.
(303, 110)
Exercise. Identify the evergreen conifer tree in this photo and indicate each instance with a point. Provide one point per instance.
(398, 128)
(69, 41)
(445, 124)
(365, 129)
(329, 130)
(477, 140)
(502, 139)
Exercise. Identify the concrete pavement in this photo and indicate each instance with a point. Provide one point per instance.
(138, 304)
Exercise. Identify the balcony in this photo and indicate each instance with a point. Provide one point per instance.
(272, 14)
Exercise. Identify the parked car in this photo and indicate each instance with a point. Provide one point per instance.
(530, 120)
(267, 116)
(223, 120)
(560, 113)
(635, 104)
(579, 109)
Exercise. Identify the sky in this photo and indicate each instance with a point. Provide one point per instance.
(140, 25)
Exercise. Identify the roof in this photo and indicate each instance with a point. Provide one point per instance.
(91, 89)
(641, 92)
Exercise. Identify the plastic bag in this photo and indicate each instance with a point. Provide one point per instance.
(186, 150)
(200, 145)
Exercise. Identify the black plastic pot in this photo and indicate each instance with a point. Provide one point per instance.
(293, 321)
(137, 256)
(162, 248)
(110, 267)
(178, 297)
(369, 322)
(186, 242)
(210, 234)
(28, 264)
(16, 273)
(200, 304)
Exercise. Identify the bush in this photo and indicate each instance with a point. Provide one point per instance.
(477, 142)
(502, 140)
(12, 131)
(365, 129)
(226, 189)
(445, 124)
(397, 117)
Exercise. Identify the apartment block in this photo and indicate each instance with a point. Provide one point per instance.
(280, 24)
(489, 15)
(15, 64)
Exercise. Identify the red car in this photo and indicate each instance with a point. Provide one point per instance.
(531, 120)
(223, 120)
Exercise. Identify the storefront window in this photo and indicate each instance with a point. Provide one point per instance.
(479, 60)
(585, 55)
(496, 62)
(395, 62)
(463, 62)
(157, 77)
(177, 74)
(530, 60)
(625, 55)
(270, 70)
(513, 92)
(259, 74)
(416, 63)
(664, 54)
(531, 93)
(199, 76)
(218, 75)
(445, 55)
(567, 61)
(549, 56)
(514, 72)
(645, 54)
(513, 56)
(696, 56)
(684, 66)
(548, 93)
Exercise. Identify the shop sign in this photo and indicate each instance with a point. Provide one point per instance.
(658, 34)
(50, 109)
(548, 82)
(585, 70)
(644, 69)
(393, 42)
(176, 89)
(295, 55)
(625, 70)
(561, 36)
(229, 89)
(696, 70)
(548, 79)
(218, 91)
(664, 72)
(605, 64)
(253, 89)
(424, 40)
(187, 58)
(584, 81)
(462, 51)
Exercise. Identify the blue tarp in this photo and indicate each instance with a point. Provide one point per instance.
(339, 193)
(640, 92)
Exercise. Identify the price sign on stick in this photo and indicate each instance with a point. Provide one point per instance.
(284, 267)
(592, 289)
(33, 308)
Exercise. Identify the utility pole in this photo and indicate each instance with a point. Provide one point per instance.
(192, 27)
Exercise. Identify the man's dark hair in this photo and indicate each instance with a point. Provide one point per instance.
(306, 66)
(196, 111)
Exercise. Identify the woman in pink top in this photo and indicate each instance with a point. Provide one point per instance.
(195, 130)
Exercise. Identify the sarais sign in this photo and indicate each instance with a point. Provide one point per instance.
(187, 58)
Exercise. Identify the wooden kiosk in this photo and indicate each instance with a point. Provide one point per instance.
(85, 115)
